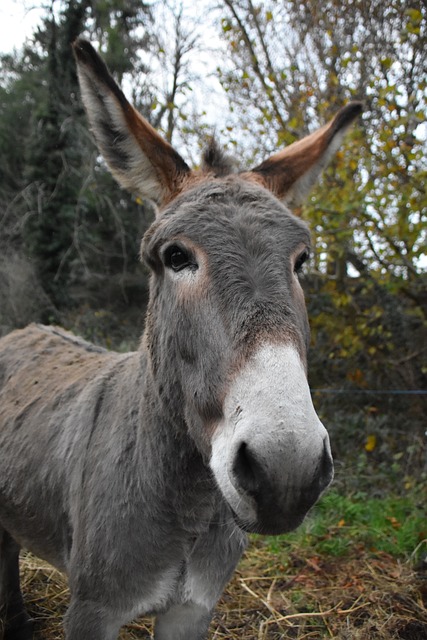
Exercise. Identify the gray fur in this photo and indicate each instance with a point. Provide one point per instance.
(113, 466)
(103, 456)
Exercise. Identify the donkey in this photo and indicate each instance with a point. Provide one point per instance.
(140, 474)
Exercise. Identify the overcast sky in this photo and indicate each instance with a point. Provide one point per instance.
(18, 19)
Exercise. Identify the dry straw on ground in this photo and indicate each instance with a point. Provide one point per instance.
(361, 597)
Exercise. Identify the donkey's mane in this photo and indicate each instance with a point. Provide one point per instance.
(216, 161)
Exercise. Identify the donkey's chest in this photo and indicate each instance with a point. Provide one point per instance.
(197, 573)
(180, 583)
(162, 591)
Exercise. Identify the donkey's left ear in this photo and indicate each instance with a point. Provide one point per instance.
(291, 173)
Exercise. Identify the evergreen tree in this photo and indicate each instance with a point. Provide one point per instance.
(75, 222)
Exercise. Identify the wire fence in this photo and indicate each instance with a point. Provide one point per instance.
(382, 392)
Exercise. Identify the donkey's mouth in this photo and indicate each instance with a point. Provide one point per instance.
(271, 508)
(272, 521)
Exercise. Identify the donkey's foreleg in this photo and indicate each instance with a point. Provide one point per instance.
(88, 620)
(15, 624)
(187, 621)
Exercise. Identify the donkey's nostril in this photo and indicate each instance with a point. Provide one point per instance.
(246, 469)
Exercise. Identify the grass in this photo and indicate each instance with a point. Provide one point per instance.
(394, 525)
(355, 571)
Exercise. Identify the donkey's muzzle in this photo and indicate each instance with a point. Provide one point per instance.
(270, 453)
(281, 503)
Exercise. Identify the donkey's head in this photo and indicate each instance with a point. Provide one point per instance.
(227, 331)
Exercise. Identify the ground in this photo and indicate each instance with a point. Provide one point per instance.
(363, 595)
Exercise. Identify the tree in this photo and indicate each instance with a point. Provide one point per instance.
(58, 199)
(292, 63)
(71, 229)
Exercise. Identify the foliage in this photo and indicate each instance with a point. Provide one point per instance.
(60, 205)
(61, 209)
(292, 65)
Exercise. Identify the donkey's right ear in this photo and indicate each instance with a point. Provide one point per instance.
(138, 157)
(291, 173)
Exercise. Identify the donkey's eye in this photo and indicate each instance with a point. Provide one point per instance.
(177, 258)
(303, 257)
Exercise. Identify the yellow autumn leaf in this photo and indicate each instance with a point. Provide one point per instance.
(394, 522)
(371, 443)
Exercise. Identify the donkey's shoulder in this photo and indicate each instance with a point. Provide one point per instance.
(49, 353)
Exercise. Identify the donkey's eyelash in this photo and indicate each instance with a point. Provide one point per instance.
(302, 258)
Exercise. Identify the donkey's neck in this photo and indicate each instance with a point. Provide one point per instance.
(165, 443)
